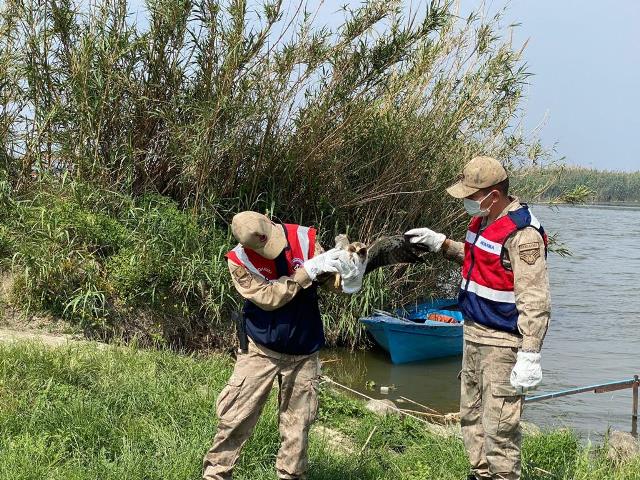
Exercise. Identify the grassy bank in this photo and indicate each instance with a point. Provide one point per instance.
(118, 413)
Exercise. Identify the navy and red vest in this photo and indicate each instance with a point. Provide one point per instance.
(486, 294)
(296, 327)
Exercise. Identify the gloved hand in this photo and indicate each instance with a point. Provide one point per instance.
(527, 373)
(351, 272)
(347, 268)
(425, 236)
(327, 262)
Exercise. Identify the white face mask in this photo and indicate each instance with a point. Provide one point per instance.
(473, 207)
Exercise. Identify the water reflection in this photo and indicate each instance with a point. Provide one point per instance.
(435, 381)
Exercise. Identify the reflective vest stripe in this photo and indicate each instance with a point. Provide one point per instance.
(488, 293)
(471, 236)
(535, 223)
(303, 239)
(483, 243)
(244, 261)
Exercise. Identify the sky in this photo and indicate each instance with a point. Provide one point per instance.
(585, 55)
(584, 95)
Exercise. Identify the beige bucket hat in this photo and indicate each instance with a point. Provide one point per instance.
(479, 173)
(256, 231)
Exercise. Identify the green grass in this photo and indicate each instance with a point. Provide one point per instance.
(80, 412)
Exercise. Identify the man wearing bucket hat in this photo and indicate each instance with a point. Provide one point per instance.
(504, 297)
(276, 268)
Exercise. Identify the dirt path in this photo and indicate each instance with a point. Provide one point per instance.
(51, 339)
(8, 335)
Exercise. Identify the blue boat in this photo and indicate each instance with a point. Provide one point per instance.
(409, 336)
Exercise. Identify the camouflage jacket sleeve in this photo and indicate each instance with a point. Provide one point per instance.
(272, 295)
(453, 251)
(531, 286)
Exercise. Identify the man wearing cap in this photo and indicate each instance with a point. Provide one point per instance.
(504, 297)
(276, 268)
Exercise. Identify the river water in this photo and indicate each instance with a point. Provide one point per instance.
(594, 335)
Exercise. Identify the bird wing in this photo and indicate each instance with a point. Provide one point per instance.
(392, 251)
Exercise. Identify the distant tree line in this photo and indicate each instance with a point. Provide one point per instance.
(573, 184)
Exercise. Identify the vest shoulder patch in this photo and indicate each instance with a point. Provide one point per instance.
(529, 252)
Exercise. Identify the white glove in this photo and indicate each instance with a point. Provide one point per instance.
(347, 268)
(425, 236)
(351, 272)
(527, 373)
(327, 262)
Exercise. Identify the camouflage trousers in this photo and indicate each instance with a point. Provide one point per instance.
(490, 411)
(240, 404)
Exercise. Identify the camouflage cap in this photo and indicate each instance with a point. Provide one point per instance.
(257, 232)
(479, 173)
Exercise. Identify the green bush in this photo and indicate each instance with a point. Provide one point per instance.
(116, 265)
(129, 267)
(55, 255)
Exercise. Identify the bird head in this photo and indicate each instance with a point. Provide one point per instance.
(359, 249)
